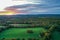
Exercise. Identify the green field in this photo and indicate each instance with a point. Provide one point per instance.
(17, 29)
(14, 33)
(56, 35)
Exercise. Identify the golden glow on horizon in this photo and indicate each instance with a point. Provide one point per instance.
(6, 13)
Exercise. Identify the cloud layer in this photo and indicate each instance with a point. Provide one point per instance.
(36, 7)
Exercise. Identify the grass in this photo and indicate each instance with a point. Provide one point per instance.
(56, 35)
(21, 33)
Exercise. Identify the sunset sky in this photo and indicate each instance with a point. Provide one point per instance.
(14, 7)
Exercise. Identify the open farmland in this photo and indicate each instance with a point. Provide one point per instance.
(21, 33)
(30, 28)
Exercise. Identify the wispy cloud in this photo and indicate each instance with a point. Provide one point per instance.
(36, 7)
